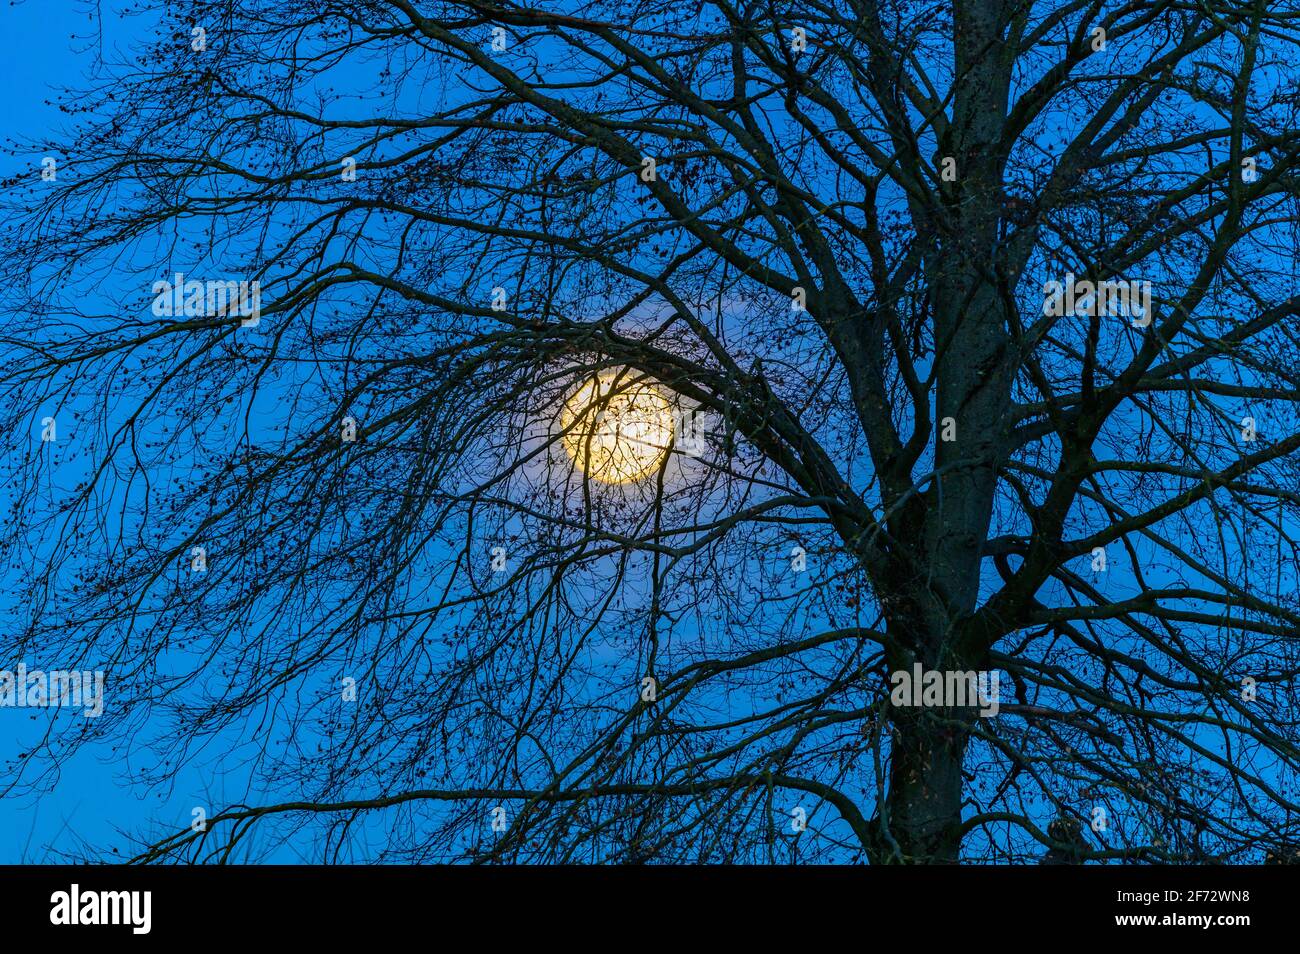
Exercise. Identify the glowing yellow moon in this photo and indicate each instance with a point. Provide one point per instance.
(617, 429)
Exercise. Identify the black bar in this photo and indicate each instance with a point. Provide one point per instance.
(613, 906)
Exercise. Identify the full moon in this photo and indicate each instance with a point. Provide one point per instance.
(617, 431)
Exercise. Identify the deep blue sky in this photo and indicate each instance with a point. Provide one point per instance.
(37, 54)
(46, 45)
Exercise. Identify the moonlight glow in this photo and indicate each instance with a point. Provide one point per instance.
(615, 431)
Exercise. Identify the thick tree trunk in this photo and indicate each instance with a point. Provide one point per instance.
(920, 819)
(925, 787)
(930, 586)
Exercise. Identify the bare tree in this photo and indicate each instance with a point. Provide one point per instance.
(637, 388)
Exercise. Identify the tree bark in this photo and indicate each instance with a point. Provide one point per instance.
(921, 823)
(934, 588)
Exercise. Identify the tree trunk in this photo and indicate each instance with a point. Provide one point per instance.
(921, 820)
(925, 791)
(937, 586)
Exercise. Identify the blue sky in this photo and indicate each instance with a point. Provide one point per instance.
(98, 799)
(36, 56)
(44, 46)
